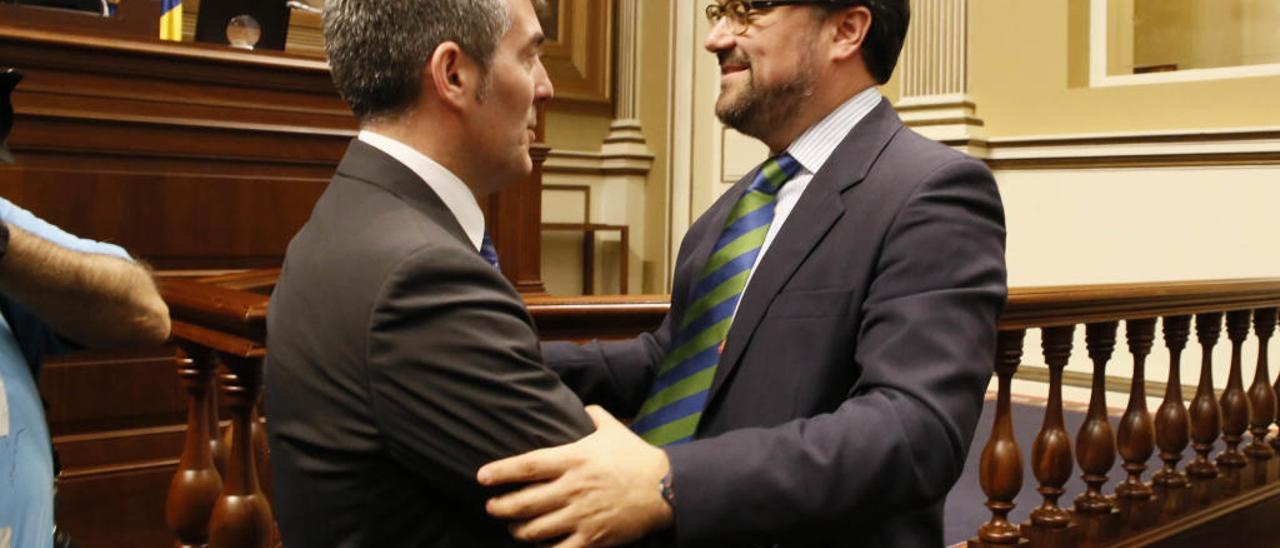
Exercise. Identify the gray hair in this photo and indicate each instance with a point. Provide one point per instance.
(377, 48)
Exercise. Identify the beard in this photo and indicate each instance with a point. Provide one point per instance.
(758, 109)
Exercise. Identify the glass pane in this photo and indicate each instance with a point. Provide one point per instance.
(1168, 35)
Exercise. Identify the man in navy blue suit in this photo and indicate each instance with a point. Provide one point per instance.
(832, 330)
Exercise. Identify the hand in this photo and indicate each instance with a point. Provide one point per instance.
(599, 491)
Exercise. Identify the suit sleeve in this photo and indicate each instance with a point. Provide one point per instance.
(615, 375)
(455, 376)
(925, 348)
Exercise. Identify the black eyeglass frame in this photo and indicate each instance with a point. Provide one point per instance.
(717, 11)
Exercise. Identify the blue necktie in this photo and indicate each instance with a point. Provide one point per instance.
(489, 253)
(679, 394)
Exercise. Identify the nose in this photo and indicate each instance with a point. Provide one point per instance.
(543, 90)
(719, 38)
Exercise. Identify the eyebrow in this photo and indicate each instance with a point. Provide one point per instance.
(535, 42)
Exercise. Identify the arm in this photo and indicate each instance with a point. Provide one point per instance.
(95, 300)
(454, 372)
(613, 374)
(925, 349)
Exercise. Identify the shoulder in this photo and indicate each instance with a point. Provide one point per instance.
(915, 157)
(30, 223)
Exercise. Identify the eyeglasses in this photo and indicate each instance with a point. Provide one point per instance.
(740, 12)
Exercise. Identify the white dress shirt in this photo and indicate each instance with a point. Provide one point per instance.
(451, 190)
(812, 150)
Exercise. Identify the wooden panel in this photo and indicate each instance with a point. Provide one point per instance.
(578, 55)
(191, 156)
(119, 508)
(135, 19)
(107, 392)
(117, 422)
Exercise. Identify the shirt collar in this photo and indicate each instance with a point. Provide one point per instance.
(814, 147)
(451, 190)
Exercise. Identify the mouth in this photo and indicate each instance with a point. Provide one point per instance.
(732, 68)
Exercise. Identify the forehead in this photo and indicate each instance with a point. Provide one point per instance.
(524, 20)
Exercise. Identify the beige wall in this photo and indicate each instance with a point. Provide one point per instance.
(1029, 66)
(573, 126)
(639, 201)
(656, 72)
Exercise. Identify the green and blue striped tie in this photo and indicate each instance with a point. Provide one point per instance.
(679, 394)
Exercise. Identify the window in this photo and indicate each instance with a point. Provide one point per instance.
(1151, 41)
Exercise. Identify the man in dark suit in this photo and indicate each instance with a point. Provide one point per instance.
(399, 359)
(820, 375)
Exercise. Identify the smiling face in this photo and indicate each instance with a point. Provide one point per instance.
(502, 129)
(767, 73)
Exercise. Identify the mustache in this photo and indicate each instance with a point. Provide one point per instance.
(733, 57)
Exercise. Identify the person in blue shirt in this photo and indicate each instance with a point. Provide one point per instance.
(57, 293)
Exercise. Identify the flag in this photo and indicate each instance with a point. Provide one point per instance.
(171, 20)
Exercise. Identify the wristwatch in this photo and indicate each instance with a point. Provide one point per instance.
(4, 239)
(664, 489)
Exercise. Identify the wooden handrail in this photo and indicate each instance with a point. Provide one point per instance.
(240, 299)
(1074, 304)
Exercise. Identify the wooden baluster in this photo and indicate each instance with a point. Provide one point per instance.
(242, 516)
(1172, 429)
(262, 452)
(1262, 399)
(1050, 524)
(1095, 443)
(1000, 472)
(196, 484)
(217, 444)
(1275, 441)
(1204, 413)
(1135, 434)
(1234, 403)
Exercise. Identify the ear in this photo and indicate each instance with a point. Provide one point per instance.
(851, 27)
(454, 76)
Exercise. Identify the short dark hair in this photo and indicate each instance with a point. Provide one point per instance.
(884, 40)
(377, 48)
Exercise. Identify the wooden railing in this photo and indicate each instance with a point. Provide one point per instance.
(220, 324)
(1183, 506)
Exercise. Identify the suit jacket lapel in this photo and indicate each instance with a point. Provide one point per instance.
(367, 164)
(813, 216)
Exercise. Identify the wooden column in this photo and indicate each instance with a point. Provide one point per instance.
(1262, 397)
(1095, 443)
(1000, 471)
(196, 484)
(1050, 524)
(242, 516)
